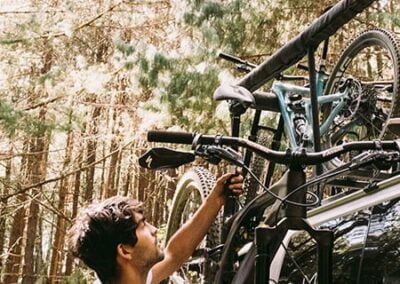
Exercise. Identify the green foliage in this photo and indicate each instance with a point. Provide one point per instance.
(189, 98)
(125, 48)
(221, 23)
(386, 18)
(9, 118)
(144, 64)
(12, 120)
(150, 70)
(46, 76)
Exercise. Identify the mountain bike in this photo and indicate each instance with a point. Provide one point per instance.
(353, 108)
(259, 230)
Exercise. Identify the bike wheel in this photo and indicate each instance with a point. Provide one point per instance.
(191, 191)
(370, 68)
(250, 186)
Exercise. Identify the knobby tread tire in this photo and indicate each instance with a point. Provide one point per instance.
(370, 37)
(201, 180)
(257, 166)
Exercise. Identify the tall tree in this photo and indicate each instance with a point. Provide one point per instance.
(37, 166)
(75, 202)
(15, 241)
(3, 211)
(59, 238)
(91, 148)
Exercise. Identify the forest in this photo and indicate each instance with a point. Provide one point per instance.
(81, 83)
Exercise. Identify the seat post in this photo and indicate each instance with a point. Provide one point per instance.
(231, 204)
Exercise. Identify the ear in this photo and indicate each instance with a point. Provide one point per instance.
(125, 252)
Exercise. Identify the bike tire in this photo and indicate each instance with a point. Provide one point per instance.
(257, 166)
(389, 46)
(191, 191)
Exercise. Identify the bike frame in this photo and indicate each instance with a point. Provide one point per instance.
(283, 89)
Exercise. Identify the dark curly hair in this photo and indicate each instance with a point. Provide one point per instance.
(98, 230)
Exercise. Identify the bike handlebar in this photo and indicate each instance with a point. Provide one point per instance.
(289, 157)
(175, 137)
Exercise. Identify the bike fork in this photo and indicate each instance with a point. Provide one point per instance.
(269, 238)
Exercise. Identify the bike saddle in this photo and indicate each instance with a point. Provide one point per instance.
(234, 93)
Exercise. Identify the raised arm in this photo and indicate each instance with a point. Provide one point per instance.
(188, 237)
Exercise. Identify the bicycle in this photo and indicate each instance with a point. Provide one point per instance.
(343, 108)
(290, 190)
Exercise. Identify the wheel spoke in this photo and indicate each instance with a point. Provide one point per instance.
(295, 263)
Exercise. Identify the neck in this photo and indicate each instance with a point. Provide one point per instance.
(132, 275)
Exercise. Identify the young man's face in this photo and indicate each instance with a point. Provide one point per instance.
(146, 248)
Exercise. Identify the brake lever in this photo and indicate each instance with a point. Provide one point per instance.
(381, 159)
(202, 151)
(227, 154)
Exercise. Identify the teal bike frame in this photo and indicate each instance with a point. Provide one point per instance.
(282, 90)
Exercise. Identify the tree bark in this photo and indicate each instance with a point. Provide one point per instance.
(110, 189)
(58, 244)
(38, 168)
(13, 260)
(128, 177)
(75, 202)
(112, 184)
(91, 154)
(3, 210)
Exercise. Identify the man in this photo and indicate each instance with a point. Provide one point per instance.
(113, 238)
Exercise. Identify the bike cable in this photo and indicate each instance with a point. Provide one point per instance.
(282, 199)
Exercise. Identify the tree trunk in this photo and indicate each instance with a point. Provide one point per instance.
(13, 260)
(91, 154)
(142, 184)
(58, 244)
(38, 168)
(39, 261)
(102, 186)
(15, 241)
(150, 195)
(128, 178)
(111, 186)
(3, 207)
(110, 189)
(157, 204)
(118, 171)
(75, 201)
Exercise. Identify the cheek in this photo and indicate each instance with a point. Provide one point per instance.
(139, 237)
(143, 237)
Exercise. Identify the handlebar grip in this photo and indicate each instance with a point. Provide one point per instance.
(176, 137)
